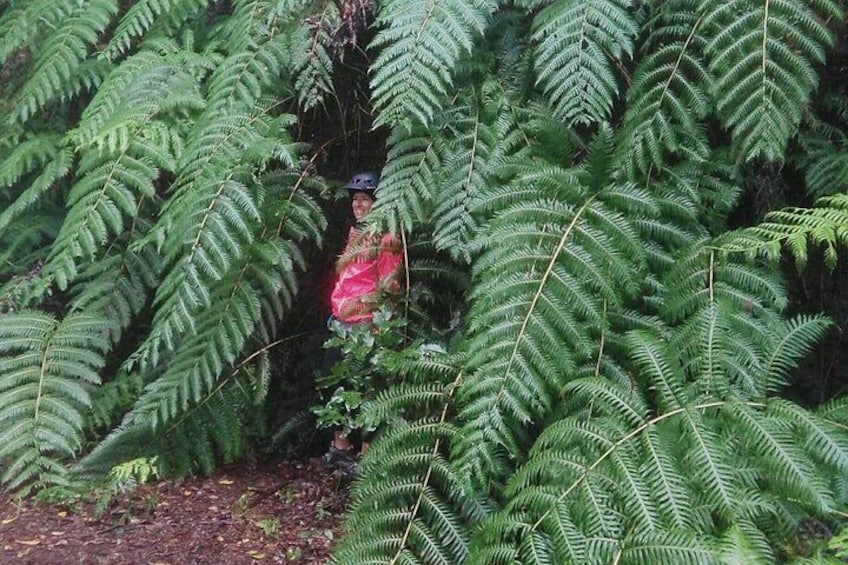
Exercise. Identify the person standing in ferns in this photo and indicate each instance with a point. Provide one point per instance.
(366, 280)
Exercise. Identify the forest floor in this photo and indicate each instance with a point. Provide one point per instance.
(289, 512)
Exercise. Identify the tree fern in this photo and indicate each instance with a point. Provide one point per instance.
(795, 229)
(668, 97)
(549, 265)
(23, 23)
(578, 44)
(44, 153)
(24, 252)
(61, 61)
(111, 190)
(763, 60)
(469, 156)
(47, 368)
(212, 217)
(407, 181)
(423, 515)
(582, 477)
(201, 357)
(143, 15)
(242, 300)
(419, 46)
(140, 94)
(610, 390)
(312, 68)
(118, 286)
(213, 429)
(822, 139)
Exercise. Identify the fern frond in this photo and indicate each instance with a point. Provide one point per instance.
(28, 21)
(117, 287)
(421, 517)
(762, 57)
(212, 217)
(732, 341)
(141, 89)
(46, 369)
(110, 401)
(54, 166)
(143, 15)
(578, 43)
(312, 68)
(550, 265)
(211, 430)
(468, 158)
(822, 142)
(819, 437)
(737, 545)
(702, 276)
(258, 286)
(418, 49)
(200, 358)
(826, 168)
(109, 192)
(593, 479)
(796, 338)
(671, 547)
(794, 229)
(784, 464)
(668, 97)
(27, 156)
(58, 69)
(407, 181)
(245, 75)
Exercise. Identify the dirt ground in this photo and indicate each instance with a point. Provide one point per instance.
(286, 513)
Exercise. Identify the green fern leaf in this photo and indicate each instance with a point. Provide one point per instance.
(786, 466)
(28, 155)
(797, 338)
(604, 477)
(666, 548)
(202, 357)
(26, 21)
(140, 91)
(58, 65)
(110, 401)
(249, 292)
(762, 57)
(24, 246)
(418, 48)
(312, 68)
(55, 166)
(412, 169)
(826, 170)
(822, 439)
(143, 15)
(668, 97)
(109, 191)
(468, 158)
(46, 369)
(421, 517)
(245, 75)
(548, 268)
(211, 430)
(795, 229)
(117, 287)
(578, 44)
(214, 215)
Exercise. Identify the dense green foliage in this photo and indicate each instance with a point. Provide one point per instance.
(596, 363)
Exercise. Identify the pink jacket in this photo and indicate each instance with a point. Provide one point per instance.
(366, 267)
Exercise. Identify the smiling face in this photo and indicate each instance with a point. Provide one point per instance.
(361, 204)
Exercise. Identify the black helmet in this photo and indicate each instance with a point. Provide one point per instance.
(366, 182)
